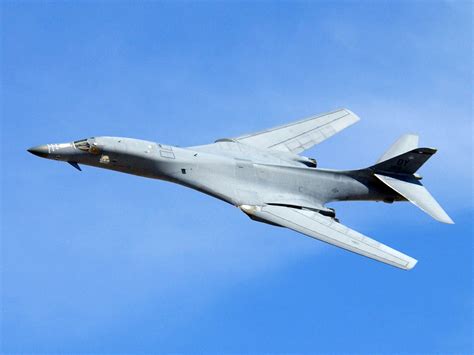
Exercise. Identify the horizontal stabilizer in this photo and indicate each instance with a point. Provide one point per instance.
(410, 188)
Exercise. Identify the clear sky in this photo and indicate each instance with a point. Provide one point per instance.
(104, 262)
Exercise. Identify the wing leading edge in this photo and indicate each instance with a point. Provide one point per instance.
(327, 230)
(299, 136)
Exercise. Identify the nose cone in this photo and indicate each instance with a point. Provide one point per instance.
(40, 150)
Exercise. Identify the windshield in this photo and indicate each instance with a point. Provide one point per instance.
(83, 144)
(87, 145)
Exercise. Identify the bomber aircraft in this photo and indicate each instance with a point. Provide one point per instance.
(265, 177)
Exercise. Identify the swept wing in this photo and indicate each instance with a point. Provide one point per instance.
(328, 230)
(299, 136)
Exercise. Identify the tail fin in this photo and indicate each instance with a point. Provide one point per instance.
(396, 169)
(403, 157)
(406, 163)
(404, 144)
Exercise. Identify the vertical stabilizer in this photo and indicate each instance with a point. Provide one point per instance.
(404, 144)
(397, 168)
(407, 163)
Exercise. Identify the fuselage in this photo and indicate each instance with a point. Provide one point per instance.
(228, 170)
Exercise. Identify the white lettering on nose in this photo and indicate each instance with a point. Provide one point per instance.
(53, 147)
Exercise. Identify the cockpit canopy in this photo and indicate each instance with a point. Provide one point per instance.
(86, 146)
(82, 144)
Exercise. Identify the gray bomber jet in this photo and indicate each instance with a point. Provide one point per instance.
(263, 174)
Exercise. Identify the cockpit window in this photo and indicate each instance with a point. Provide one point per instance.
(83, 144)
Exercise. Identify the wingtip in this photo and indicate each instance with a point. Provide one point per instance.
(356, 117)
(446, 220)
(411, 264)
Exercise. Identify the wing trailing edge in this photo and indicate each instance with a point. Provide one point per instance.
(326, 229)
(299, 136)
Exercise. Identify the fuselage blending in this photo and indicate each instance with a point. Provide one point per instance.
(263, 175)
(228, 170)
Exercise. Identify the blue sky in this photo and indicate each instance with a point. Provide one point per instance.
(103, 262)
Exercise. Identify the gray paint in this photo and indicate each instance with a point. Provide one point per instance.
(261, 173)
